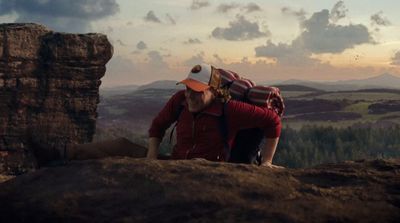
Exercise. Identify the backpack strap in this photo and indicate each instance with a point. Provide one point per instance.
(180, 109)
(224, 132)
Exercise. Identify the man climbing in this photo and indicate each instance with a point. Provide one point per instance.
(207, 122)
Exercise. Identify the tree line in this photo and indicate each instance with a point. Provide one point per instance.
(308, 146)
(312, 145)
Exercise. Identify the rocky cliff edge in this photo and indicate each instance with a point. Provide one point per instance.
(137, 190)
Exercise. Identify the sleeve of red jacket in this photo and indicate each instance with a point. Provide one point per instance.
(166, 116)
(242, 116)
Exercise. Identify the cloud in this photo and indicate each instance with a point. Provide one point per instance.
(196, 59)
(156, 60)
(321, 36)
(396, 59)
(300, 14)
(60, 15)
(338, 11)
(170, 19)
(252, 7)
(261, 71)
(218, 59)
(151, 17)
(192, 41)
(224, 8)
(120, 42)
(141, 45)
(378, 19)
(238, 30)
(285, 54)
(198, 4)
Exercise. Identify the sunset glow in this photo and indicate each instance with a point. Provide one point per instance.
(266, 40)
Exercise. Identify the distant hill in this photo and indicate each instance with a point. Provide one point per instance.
(326, 86)
(295, 87)
(385, 80)
(127, 89)
(118, 90)
(381, 81)
(162, 84)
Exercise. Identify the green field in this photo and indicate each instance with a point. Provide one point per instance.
(358, 103)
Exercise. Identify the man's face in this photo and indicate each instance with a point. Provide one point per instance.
(197, 101)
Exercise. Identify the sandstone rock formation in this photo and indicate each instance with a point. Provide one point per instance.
(138, 190)
(48, 90)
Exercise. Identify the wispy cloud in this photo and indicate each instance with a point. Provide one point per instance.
(225, 7)
(170, 19)
(141, 45)
(157, 60)
(379, 20)
(198, 4)
(196, 59)
(286, 54)
(192, 41)
(218, 59)
(151, 17)
(239, 30)
(338, 11)
(251, 7)
(396, 59)
(248, 8)
(299, 14)
(120, 42)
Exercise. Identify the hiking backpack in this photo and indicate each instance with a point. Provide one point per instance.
(246, 148)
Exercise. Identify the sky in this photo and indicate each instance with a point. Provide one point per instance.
(264, 40)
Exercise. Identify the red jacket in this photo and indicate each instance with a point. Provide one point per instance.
(200, 136)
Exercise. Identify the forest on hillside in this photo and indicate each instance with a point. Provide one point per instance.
(312, 145)
(309, 145)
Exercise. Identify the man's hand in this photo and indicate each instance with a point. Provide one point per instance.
(154, 144)
(268, 153)
(272, 166)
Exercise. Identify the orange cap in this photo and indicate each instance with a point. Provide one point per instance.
(202, 77)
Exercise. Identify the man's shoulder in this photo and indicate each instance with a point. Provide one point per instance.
(179, 95)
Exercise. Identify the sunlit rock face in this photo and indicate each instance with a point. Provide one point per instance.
(49, 90)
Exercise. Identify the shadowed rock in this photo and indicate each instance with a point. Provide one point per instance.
(138, 190)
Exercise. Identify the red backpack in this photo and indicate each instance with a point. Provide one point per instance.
(247, 142)
(245, 90)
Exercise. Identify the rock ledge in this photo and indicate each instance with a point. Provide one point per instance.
(137, 190)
